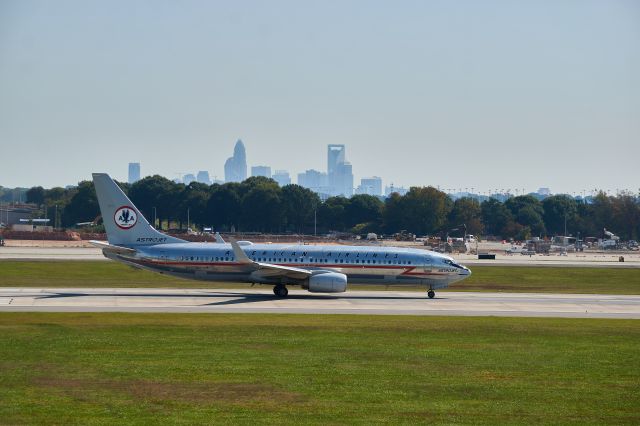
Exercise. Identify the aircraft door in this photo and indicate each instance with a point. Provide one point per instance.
(427, 266)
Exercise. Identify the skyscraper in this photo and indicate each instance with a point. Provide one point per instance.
(134, 172)
(370, 186)
(339, 171)
(335, 156)
(314, 180)
(235, 168)
(342, 183)
(282, 177)
(203, 177)
(261, 171)
(188, 178)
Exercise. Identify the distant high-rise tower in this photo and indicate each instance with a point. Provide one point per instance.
(261, 171)
(203, 177)
(370, 186)
(339, 171)
(134, 172)
(235, 168)
(282, 177)
(335, 156)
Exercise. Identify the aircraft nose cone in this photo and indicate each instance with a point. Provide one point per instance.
(465, 271)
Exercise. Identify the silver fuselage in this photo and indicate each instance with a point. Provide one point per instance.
(361, 264)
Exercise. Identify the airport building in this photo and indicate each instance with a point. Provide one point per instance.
(134, 172)
(235, 168)
(188, 178)
(11, 215)
(261, 171)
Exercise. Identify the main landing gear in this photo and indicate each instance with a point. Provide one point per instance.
(431, 294)
(280, 290)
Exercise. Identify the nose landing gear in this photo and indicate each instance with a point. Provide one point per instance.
(280, 290)
(431, 294)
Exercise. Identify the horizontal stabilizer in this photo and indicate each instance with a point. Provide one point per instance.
(111, 248)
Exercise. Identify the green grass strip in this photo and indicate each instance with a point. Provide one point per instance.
(69, 368)
(484, 278)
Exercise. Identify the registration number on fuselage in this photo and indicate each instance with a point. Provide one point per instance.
(446, 270)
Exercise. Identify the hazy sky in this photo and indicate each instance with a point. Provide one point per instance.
(460, 94)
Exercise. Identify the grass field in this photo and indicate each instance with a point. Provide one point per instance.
(484, 278)
(305, 369)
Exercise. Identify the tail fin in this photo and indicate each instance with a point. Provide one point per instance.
(123, 222)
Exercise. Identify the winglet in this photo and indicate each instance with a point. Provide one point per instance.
(241, 256)
(219, 238)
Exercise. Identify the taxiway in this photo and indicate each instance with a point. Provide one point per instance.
(300, 301)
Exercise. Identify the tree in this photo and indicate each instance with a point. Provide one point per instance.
(467, 210)
(528, 212)
(364, 209)
(530, 218)
(223, 207)
(299, 205)
(426, 210)
(626, 216)
(394, 214)
(497, 218)
(262, 209)
(156, 192)
(83, 206)
(35, 195)
(331, 214)
(558, 210)
(193, 203)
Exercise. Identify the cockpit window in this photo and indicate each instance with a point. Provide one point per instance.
(452, 263)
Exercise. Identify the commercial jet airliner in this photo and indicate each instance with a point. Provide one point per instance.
(322, 269)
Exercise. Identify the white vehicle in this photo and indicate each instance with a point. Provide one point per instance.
(323, 269)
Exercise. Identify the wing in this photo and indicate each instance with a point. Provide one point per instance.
(268, 269)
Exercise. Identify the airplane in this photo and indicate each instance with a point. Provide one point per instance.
(316, 268)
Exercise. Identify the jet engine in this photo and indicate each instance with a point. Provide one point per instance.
(329, 282)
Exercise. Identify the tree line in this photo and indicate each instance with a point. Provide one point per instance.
(258, 204)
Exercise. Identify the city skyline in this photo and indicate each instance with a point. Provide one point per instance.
(319, 181)
(473, 94)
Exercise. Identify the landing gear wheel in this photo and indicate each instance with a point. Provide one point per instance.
(280, 291)
(431, 294)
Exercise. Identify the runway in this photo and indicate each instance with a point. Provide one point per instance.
(300, 301)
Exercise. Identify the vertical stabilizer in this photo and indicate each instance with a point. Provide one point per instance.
(123, 222)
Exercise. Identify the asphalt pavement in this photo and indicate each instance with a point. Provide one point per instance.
(300, 301)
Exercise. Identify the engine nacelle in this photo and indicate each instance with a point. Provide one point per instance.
(330, 282)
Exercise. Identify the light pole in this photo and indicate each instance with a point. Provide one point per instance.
(188, 221)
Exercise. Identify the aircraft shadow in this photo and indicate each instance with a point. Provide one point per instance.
(238, 298)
